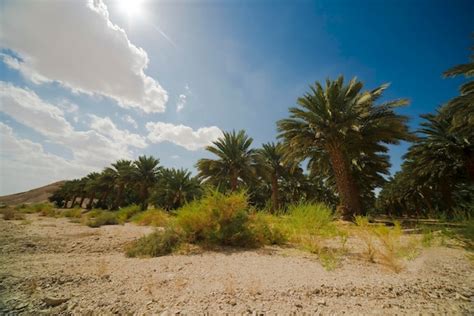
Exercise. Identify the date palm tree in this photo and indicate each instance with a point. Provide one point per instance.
(340, 122)
(146, 175)
(271, 165)
(461, 107)
(234, 163)
(123, 171)
(91, 188)
(175, 188)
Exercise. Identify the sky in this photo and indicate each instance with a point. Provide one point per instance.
(84, 83)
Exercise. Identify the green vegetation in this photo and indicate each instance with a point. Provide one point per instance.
(331, 158)
(156, 244)
(151, 217)
(97, 218)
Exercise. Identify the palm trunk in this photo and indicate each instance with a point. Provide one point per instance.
(275, 197)
(118, 200)
(144, 197)
(103, 199)
(82, 200)
(233, 181)
(91, 201)
(347, 188)
(73, 201)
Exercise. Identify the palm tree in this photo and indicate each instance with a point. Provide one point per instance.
(145, 175)
(234, 163)
(123, 173)
(91, 187)
(105, 186)
(461, 112)
(462, 107)
(270, 163)
(339, 123)
(175, 188)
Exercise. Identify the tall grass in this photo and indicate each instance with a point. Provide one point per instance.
(126, 213)
(153, 217)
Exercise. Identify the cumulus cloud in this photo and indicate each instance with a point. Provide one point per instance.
(29, 165)
(181, 102)
(182, 99)
(75, 44)
(96, 148)
(130, 120)
(105, 126)
(182, 135)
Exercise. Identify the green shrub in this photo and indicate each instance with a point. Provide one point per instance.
(218, 219)
(266, 229)
(151, 217)
(73, 213)
(99, 218)
(157, 244)
(125, 213)
(311, 218)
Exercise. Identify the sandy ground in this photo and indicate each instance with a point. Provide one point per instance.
(52, 266)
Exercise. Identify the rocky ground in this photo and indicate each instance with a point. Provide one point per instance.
(52, 266)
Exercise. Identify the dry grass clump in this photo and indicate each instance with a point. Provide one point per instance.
(11, 214)
(308, 225)
(384, 243)
(153, 217)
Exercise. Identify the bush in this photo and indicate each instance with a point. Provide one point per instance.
(11, 214)
(73, 213)
(218, 219)
(97, 218)
(310, 218)
(266, 229)
(125, 213)
(157, 244)
(151, 217)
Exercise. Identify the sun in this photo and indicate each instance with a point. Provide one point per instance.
(131, 8)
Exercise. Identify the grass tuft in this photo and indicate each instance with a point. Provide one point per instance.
(157, 244)
(153, 217)
(97, 218)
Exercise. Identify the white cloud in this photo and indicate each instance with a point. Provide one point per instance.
(95, 148)
(182, 99)
(74, 43)
(182, 135)
(68, 106)
(181, 102)
(130, 120)
(106, 127)
(25, 164)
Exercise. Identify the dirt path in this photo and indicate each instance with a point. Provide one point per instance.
(46, 262)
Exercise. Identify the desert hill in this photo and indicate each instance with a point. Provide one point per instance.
(37, 195)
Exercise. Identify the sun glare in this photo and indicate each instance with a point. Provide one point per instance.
(131, 8)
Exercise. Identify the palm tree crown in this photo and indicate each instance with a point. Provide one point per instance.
(234, 163)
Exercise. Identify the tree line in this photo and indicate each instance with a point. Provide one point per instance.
(340, 132)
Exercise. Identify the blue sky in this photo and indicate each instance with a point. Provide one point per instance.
(66, 74)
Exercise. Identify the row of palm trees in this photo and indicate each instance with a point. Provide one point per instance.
(437, 175)
(123, 182)
(342, 132)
